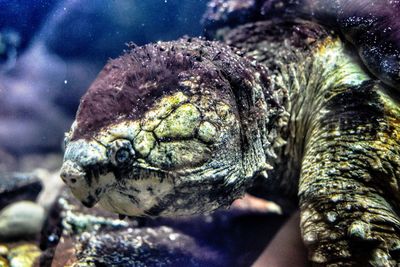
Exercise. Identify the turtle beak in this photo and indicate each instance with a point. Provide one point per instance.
(77, 180)
(71, 173)
(76, 171)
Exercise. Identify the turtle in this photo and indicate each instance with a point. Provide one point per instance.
(185, 127)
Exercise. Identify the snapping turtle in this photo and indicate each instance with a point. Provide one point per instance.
(183, 127)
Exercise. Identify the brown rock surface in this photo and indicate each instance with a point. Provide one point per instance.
(18, 186)
(75, 235)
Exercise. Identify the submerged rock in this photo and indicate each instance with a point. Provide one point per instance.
(18, 186)
(77, 235)
(161, 246)
(24, 255)
(99, 238)
(3, 250)
(21, 220)
(3, 262)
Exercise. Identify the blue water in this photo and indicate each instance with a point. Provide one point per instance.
(51, 50)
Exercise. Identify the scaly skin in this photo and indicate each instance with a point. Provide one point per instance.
(183, 134)
(184, 127)
(344, 131)
(348, 190)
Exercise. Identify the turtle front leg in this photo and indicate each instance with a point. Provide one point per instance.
(349, 185)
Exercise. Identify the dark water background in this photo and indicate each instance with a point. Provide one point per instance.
(50, 52)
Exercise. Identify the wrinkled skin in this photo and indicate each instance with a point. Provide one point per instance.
(184, 127)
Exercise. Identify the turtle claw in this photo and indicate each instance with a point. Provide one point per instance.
(350, 239)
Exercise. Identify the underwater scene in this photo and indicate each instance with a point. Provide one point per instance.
(199, 133)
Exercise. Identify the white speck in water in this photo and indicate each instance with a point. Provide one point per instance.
(165, 1)
(65, 81)
(65, 8)
(208, 219)
(173, 236)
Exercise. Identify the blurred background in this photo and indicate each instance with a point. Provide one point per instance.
(50, 52)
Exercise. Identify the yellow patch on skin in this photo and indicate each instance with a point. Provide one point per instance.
(223, 110)
(161, 110)
(144, 142)
(207, 132)
(151, 121)
(391, 137)
(331, 56)
(123, 130)
(215, 112)
(178, 154)
(180, 124)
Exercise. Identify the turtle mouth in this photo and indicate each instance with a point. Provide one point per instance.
(89, 202)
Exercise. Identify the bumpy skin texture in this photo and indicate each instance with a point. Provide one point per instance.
(171, 129)
(344, 131)
(183, 127)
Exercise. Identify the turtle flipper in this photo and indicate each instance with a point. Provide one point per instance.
(349, 185)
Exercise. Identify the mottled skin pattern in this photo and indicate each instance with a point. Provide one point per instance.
(184, 127)
(171, 129)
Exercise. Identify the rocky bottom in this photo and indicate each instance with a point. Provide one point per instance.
(64, 233)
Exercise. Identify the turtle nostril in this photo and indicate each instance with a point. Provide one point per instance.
(71, 172)
(69, 178)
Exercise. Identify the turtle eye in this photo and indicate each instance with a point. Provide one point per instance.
(120, 152)
(122, 155)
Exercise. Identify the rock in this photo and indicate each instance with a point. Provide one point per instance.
(161, 246)
(3, 250)
(18, 186)
(3, 262)
(21, 220)
(24, 255)
(77, 235)
(52, 187)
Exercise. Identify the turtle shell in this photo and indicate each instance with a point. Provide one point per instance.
(371, 26)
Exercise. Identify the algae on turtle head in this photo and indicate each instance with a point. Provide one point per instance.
(171, 128)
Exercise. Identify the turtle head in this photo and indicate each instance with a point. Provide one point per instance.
(160, 131)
